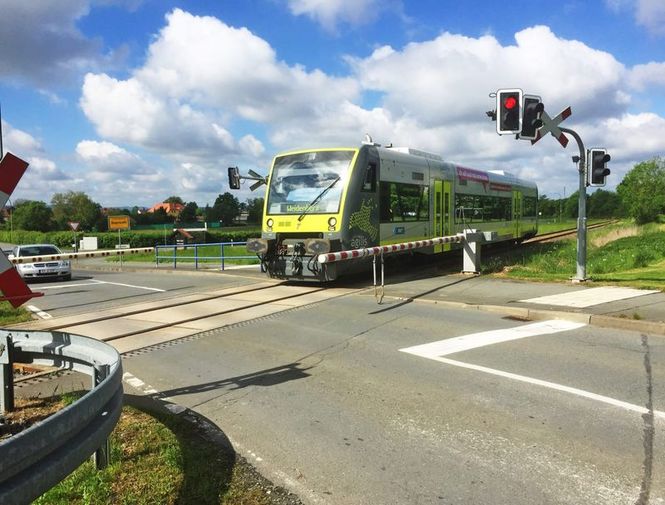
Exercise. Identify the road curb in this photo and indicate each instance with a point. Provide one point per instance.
(527, 314)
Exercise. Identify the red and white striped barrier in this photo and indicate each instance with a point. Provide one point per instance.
(14, 288)
(387, 249)
(82, 255)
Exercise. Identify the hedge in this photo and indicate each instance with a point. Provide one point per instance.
(108, 240)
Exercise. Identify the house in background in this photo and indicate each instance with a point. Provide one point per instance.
(172, 209)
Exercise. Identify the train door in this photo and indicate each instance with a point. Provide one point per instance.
(517, 213)
(442, 214)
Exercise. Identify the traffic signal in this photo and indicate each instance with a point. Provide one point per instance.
(596, 166)
(234, 178)
(532, 110)
(508, 111)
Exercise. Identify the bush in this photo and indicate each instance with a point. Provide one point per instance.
(108, 240)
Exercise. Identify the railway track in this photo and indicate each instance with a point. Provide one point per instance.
(149, 323)
(546, 237)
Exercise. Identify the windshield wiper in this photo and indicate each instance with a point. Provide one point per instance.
(318, 197)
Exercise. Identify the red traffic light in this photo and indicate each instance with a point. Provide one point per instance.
(510, 102)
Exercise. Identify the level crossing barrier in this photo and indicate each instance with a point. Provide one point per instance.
(470, 240)
(23, 260)
(36, 459)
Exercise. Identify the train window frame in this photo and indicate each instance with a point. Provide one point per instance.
(369, 181)
(470, 208)
(397, 206)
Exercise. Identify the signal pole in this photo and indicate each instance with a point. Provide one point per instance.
(581, 206)
(531, 122)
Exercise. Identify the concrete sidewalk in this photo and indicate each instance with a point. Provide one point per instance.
(606, 306)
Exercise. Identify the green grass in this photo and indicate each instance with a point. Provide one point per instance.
(619, 254)
(10, 315)
(208, 255)
(161, 459)
(550, 226)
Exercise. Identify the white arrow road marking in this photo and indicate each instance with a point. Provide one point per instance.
(436, 350)
(474, 340)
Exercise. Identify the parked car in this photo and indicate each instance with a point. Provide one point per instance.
(48, 268)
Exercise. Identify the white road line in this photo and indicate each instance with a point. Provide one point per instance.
(128, 285)
(436, 350)
(552, 385)
(589, 297)
(39, 312)
(475, 340)
(144, 388)
(64, 286)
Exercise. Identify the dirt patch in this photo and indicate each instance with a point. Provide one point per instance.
(629, 231)
(26, 413)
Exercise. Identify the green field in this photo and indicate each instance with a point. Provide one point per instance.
(207, 255)
(622, 254)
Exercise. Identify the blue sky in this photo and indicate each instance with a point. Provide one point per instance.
(132, 101)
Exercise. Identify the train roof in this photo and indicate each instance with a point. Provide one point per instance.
(497, 176)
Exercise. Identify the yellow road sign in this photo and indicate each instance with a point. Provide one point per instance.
(118, 222)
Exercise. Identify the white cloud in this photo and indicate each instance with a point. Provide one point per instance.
(201, 76)
(449, 78)
(647, 75)
(106, 160)
(45, 170)
(651, 14)
(199, 73)
(648, 13)
(329, 13)
(41, 43)
(18, 142)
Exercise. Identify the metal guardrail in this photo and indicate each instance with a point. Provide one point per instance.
(36, 459)
(196, 258)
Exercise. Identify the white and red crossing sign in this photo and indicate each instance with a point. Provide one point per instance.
(14, 288)
(551, 125)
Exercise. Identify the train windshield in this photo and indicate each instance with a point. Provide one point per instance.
(308, 182)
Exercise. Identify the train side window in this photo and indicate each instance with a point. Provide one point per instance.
(369, 183)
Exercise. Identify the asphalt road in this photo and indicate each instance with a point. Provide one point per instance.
(91, 290)
(344, 402)
(324, 401)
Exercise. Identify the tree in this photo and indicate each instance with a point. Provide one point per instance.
(174, 199)
(75, 206)
(605, 204)
(225, 209)
(33, 216)
(188, 213)
(643, 190)
(254, 210)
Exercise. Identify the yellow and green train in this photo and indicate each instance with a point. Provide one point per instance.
(327, 200)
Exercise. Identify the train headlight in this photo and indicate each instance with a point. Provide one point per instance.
(269, 224)
(332, 222)
(316, 246)
(258, 245)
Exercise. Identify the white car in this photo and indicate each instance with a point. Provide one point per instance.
(48, 268)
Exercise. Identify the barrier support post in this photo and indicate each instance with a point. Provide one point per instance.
(6, 375)
(471, 252)
(103, 454)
